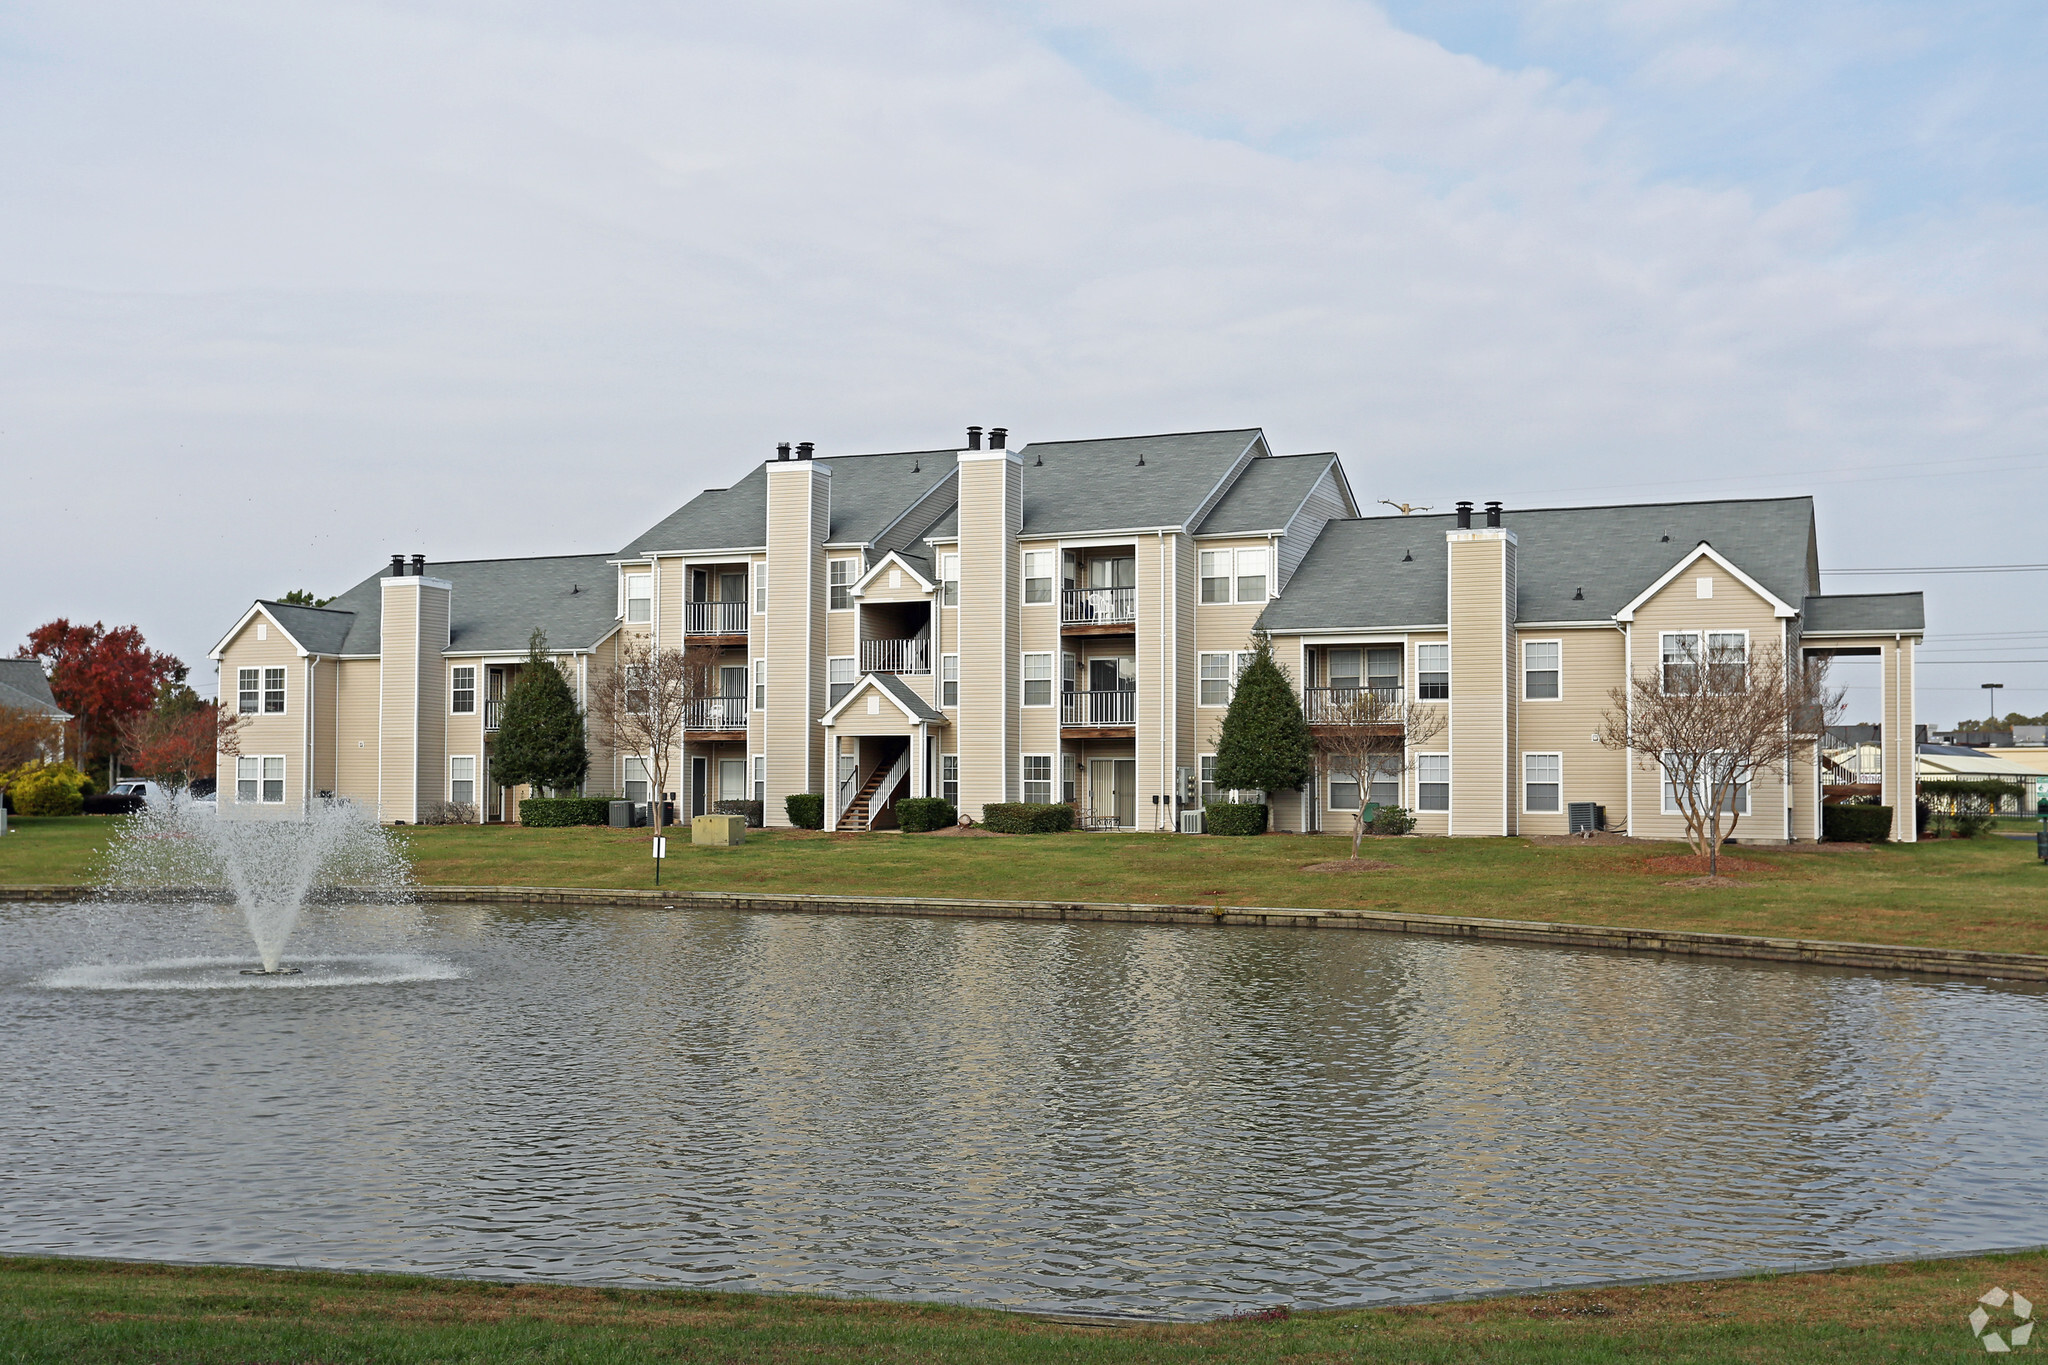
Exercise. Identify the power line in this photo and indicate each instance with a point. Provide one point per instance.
(1952, 568)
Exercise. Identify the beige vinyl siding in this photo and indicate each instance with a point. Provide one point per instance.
(323, 681)
(1324, 504)
(671, 590)
(1481, 720)
(799, 511)
(433, 684)
(356, 748)
(1155, 749)
(397, 774)
(465, 733)
(1805, 792)
(1901, 759)
(990, 628)
(262, 734)
(1590, 664)
(1187, 719)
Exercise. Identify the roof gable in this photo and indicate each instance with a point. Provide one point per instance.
(1703, 550)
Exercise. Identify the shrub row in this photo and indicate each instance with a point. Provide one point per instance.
(750, 809)
(553, 812)
(806, 810)
(1856, 824)
(922, 814)
(111, 805)
(1027, 817)
(1225, 817)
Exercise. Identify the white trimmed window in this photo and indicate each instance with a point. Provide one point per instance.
(1728, 661)
(1542, 783)
(462, 690)
(949, 680)
(949, 579)
(1219, 674)
(249, 690)
(1673, 784)
(259, 779)
(1070, 775)
(1433, 673)
(1038, 681)
(462, 780)
(1215, 575)
(1208, 772)
(760, 777)
(1038, 575)
(1540, 665)
(1038, 779)
(760, 590)
(1383, 780)
(273, 692)
(1680, 651)
(949, 777)
(760, 684)
(839, 584)
(841, 674)
(732, 779)
(637, 785)
(639, 598)
(1432, 782)
(1251, 575)
(1343, 791)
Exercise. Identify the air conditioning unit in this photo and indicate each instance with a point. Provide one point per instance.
(1584, 817)
(1191, 822)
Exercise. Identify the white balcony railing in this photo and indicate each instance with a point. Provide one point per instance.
(896, 656)
(1352, 705)
(716, 713)
(494, 711)
(715, 618)
(1098, 708)
(1098, 606)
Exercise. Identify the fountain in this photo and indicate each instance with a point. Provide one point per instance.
(179, 849)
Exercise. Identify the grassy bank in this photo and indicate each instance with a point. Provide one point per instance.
(87, 1311)
(1983, 893)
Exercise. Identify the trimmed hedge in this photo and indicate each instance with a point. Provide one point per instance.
(923, 814)
(1027, 817)
(750, 809)
(1856, 824)
(1225, 817)
(806, 810)
(112, 805)
(554, 812)
(1393, 820)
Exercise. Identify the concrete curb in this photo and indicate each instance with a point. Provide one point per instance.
(1817, 952)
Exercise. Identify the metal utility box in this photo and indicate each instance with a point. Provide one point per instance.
(628, 814)
(1584, 817)
(718, 831)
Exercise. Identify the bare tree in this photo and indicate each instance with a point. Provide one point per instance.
(645, 703)
(1715, 720)
(1371, 730)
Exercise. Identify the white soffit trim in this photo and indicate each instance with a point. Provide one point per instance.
(884, 563)
(1705, 551)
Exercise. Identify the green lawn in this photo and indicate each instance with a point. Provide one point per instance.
(1985, 893)
(96, 1311)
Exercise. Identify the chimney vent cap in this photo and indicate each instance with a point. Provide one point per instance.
(804, 449)
(998, 438)
(398, 566)
(974, 438)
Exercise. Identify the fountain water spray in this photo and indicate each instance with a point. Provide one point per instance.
(179, 849)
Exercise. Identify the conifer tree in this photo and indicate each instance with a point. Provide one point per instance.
(1265, 744)
(540, 733)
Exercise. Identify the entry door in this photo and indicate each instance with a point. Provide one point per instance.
(699, 777)
(1113, 789)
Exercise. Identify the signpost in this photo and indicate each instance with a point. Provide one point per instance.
(660, 852)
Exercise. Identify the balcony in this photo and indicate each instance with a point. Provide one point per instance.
(1353, 705)
(718, 715)
(896, 656)
(494, 711)
(1098, 606)
(1098, 710)
(714, 618)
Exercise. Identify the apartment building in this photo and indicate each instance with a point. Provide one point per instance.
(1064, 622)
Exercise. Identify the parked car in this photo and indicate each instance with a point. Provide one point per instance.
(136, 786)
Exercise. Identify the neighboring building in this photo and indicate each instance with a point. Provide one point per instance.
(1065, 622)
(24, 688)
(1854, 756)
(1962, 763)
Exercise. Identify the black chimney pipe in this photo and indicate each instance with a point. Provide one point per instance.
(998, 438)
(419, 566)
(398, 566)
(1464, 516)
(974, 438)
(1493, 514)
(804, 449)
(782, 450)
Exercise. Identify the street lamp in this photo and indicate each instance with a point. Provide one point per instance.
(1991, 699)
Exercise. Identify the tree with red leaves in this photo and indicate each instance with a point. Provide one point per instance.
(103, 677)
(172, 746)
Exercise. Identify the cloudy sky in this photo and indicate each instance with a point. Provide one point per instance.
(285, 289)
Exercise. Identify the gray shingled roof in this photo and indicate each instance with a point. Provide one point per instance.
(1268, 493)
(1356, 579)
(868, 493)
(716, 519)
(498, 602)
(900, 689)
(1084, 487)
(319, 630)
(1871, 611)
(24, 688)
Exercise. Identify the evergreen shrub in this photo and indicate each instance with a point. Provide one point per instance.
(556, 812)
(1264, 743)
(52, 789)
(806, 810)
(923, 814)
(1856, 824)
(540, 729)
(1393, 820)
(750, 809)
(1027, 817)
(1232, 817)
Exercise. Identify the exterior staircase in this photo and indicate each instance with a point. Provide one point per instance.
(858, 811)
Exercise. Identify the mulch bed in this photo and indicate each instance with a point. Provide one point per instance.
(1598, 836)
(1687, 862)
(1704, 883)
(1349, 865)
(967, 832)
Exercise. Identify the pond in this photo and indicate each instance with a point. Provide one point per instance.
(1109, 1117)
